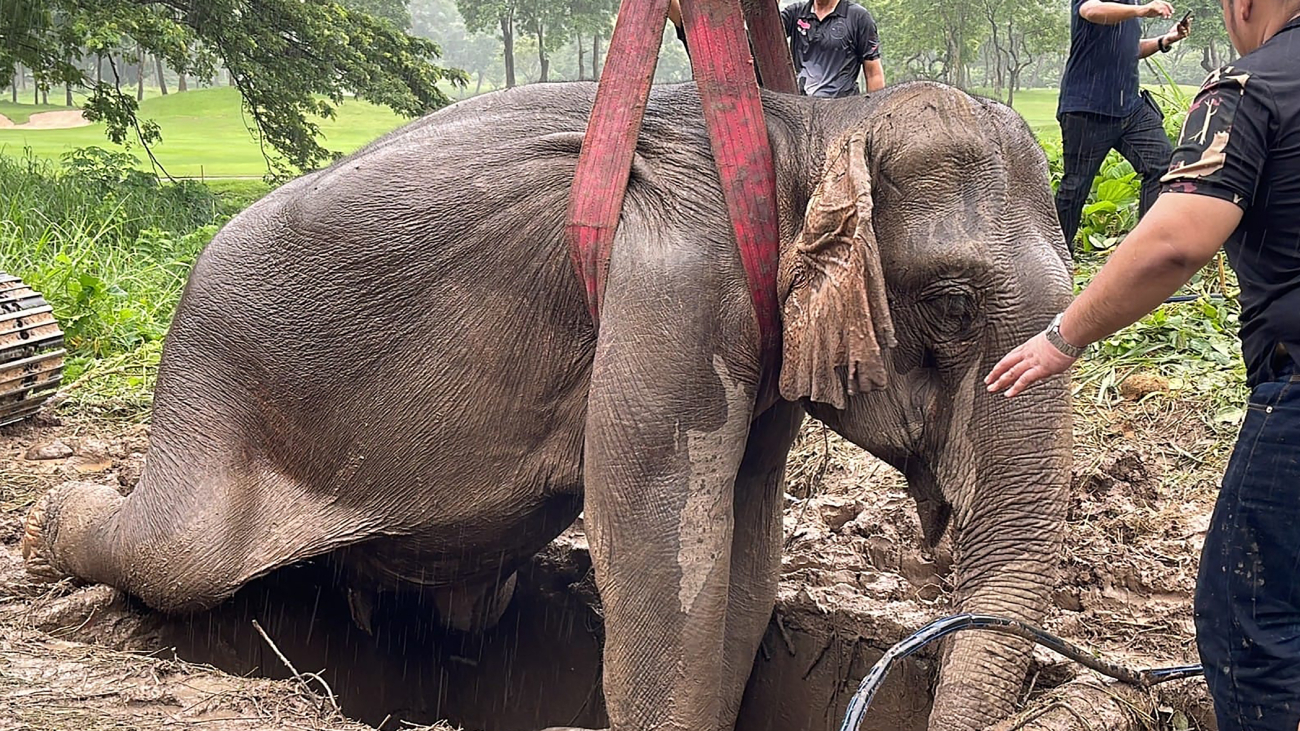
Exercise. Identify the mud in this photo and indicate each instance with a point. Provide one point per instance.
(854, 582)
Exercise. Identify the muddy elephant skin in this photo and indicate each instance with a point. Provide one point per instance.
(389, 364)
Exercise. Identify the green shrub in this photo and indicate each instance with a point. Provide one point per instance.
(108, 246)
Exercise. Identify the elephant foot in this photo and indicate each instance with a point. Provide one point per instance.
(474, 610)
(362, 606)
(41, 529)
(35, 547)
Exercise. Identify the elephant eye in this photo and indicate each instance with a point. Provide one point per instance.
(952, 311)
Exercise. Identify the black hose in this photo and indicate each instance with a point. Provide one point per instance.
(941, 628)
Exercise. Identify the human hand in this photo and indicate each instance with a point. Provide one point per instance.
(1028, 364)
(1179, 32)
(1157, 9)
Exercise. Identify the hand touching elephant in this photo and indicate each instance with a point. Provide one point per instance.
(390, 362)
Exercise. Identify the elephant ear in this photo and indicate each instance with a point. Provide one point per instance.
(835, 312)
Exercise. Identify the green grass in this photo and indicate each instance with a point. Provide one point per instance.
(204, 131)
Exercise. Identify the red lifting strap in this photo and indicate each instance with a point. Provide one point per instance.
(733, 115)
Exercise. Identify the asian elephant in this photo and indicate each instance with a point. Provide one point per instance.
(391, 362)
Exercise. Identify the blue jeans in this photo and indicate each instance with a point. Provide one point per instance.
(1248, 590)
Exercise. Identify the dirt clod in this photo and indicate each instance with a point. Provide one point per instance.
(1140, 385)
(50, 450)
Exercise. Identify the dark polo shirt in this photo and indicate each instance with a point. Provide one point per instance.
(828, 53)
(1101, 74)
(1241, 143)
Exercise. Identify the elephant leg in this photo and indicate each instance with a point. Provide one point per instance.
(668, 416)
(184, 540)
(475, 608)
(756, 549)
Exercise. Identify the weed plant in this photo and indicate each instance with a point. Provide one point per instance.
(110, 248)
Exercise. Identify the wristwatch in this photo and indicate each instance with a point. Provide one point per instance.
(1160, 43)
(1053, 334)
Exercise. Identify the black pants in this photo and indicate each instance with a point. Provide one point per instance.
(1088, 138)
(1248, 589)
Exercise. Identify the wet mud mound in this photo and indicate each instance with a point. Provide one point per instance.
(854, 582)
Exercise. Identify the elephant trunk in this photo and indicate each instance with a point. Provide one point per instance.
(1007, 530)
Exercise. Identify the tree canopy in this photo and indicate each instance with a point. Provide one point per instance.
(291, 60)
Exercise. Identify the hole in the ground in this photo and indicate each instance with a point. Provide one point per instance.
(539, 667)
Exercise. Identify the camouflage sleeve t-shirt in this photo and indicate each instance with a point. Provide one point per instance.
(1241, 143)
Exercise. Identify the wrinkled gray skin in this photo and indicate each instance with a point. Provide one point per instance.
(390, 362)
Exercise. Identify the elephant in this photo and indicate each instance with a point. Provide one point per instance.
(390, 363)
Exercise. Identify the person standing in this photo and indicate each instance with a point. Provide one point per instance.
(1102, 106)
(1234, 182)
(830, 41)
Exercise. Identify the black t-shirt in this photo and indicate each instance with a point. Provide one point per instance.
(829, 53)
(1241, 143)
(1101, 74)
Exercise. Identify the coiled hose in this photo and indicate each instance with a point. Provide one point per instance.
(942, 628)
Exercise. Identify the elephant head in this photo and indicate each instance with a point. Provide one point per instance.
(928, 247)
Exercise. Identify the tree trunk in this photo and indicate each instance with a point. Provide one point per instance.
(162, 80)
(67, 95)
(139, 76)
(1208, 62)
(181, 85)
(22, 78)
(582, 71)
(542, 60)
(99, 68)
(479, 86)
(508, 40)
(595, 57)
(14, 88)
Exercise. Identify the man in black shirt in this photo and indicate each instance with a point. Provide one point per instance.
(1234, 183)
(1101, 105)
(830, 40)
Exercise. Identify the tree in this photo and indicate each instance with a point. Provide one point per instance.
(933, 39)
(550, 23)
(1209, 36)
(592, 19)
(291, 60)
(479, 54)
(394, 11)
(1019, 32)
(162, 79)
(482, 16)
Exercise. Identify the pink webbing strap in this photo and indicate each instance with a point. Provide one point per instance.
(605, 162)
(733, 114)
(768, 33)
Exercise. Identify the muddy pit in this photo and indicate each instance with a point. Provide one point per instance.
(539, 667)
(854, 582)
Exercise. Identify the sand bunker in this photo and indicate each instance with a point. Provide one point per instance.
(48, 120)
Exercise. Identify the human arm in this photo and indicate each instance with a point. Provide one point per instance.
(1150, 46)
(866, 44)
(1211, 182)
(874, 72)
(1102, 12)
(675, 12)
(1179, 235)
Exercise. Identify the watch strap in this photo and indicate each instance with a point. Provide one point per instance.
(1053, 334)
